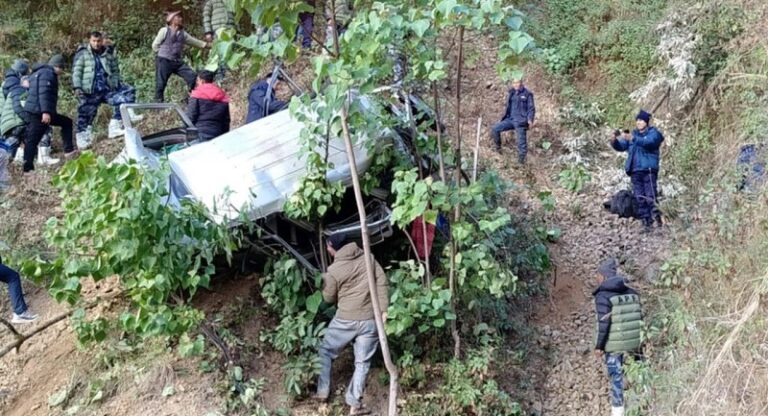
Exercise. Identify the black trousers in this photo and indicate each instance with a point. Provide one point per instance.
(164, 68)
(35, 131)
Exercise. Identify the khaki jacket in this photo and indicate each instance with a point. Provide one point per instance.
(346, 284)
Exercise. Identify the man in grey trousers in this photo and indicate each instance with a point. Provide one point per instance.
(346, 284)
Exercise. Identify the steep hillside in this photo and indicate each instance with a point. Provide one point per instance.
(699, 66)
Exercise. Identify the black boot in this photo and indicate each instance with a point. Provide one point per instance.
(659, 222)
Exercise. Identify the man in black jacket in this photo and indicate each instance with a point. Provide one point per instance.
(520, 115)
(208, 107)
(40, 110)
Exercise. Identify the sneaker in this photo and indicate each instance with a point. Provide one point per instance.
(19, 158)
(24, 318)
(115, 129)
(617, 411)
(44, 156)
(83, 140)
(319, 398)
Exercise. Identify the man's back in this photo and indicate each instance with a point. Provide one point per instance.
(346, 283)
(619, 316)
(43, 90)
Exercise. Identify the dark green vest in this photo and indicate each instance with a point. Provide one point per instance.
(626, 324)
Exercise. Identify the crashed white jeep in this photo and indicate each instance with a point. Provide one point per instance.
(252, 171)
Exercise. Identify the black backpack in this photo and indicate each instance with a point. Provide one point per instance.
(621, 204)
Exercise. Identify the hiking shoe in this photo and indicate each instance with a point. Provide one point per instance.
(115, 129)
(359, 410)
(497, 149)
(24, 318)
(319, 398)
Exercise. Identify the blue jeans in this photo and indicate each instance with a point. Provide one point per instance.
(645, 190)
(338, 335)
(521, 131)
(12, 278)
(614, 361)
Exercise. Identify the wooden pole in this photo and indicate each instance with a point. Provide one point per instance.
(477, 149)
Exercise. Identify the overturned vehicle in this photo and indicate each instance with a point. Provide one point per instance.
(252, 171)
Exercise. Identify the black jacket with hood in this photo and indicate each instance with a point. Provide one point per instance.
(43, 90)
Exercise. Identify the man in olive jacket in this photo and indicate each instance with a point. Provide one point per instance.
(619, 322)
(96, 80)
(346, 285)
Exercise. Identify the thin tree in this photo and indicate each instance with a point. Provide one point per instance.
(377, 314)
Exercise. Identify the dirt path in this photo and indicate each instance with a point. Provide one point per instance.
(563, 376)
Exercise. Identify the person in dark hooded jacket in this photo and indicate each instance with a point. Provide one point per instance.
(262, 101)
(619, 322)
(11, 103)
(13, 76)
(209, 107)
(519, 115)
(642, 166)
(40, 110)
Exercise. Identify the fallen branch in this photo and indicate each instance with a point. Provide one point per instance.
(22, 338)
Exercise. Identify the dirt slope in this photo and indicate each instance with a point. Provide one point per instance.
(561, 376)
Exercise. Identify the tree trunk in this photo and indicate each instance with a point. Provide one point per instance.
(377, 314)
(457, 209)
(391, 368)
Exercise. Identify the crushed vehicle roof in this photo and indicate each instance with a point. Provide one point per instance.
(255, 168)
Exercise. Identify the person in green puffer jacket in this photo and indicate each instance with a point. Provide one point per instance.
(619, 322)
(12, 96)
(96, 80)
(216, 16)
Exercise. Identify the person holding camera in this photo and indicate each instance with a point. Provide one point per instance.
(642, 165)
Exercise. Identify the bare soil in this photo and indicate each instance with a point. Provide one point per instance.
(559, 376)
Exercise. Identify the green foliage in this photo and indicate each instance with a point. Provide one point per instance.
(692, 150)
(245, 394)
(582, 116)
(604, 48)
(574, 178)
(411, 306)
(284, 287)
(115, 223)
(468, 388)
(715, 29)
